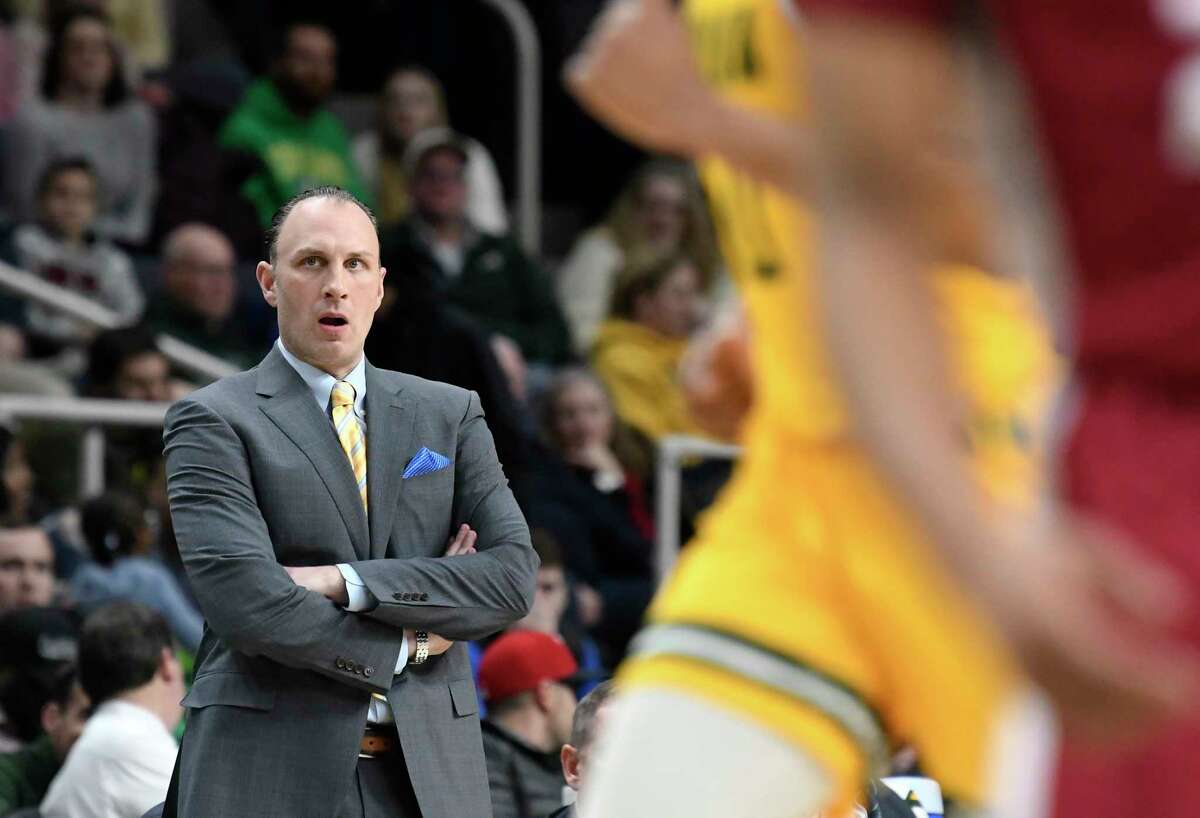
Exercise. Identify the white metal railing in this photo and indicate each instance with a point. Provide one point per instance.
(529, 121)
(192, 359)
(672, 451)
(94, 414)
(91, 413)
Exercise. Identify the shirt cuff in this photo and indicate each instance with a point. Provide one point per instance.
(359, 596)
(402, 659)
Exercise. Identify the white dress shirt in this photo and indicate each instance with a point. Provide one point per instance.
(119, 768)
(360, 597)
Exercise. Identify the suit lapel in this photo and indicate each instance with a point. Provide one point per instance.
(291, 407)
(390, 422)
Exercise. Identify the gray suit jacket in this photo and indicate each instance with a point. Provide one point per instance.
(257, 480)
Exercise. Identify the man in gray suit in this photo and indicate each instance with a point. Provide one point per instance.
(331, 681)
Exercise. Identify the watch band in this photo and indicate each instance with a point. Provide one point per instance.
(422, 652)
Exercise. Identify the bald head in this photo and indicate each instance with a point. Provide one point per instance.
(197, 269)
(26, 569)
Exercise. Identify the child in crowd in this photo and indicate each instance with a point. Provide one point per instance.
(62, 249)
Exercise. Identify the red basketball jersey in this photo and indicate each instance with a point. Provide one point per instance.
(1114, 87)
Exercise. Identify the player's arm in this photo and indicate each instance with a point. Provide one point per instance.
(637, 73)
(885, 91)
(886, 94)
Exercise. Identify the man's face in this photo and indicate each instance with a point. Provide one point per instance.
(410, 105)
(64, 724)
(326, 282)
(309, 66)
(439, 186)
(549, 601)
(201, 276)
(26, 569)
(144, 377)
(69, 203)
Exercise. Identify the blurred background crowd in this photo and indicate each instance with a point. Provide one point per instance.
(144, 146)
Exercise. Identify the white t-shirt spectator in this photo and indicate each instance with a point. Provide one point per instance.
(120, 767)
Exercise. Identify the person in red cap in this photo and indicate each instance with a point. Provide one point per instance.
(527, 679)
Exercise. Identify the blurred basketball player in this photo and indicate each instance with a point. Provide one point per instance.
(1116, 94)
(809, 626)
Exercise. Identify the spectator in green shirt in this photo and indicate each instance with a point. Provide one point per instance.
(25, 774)
(282, 121)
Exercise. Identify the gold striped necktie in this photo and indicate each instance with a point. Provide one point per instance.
(353, 444)
(350, 434)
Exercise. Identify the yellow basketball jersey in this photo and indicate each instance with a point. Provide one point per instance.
(748, 49)
(1004, 361)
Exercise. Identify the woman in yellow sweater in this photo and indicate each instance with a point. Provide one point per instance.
(655, 306)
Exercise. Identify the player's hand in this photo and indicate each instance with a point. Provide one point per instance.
(636, 72)
(1090, 619)
(463, 542)
(717, 378)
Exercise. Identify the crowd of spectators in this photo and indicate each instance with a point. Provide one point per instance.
(660, 210)
(413, 101)
(142, 186)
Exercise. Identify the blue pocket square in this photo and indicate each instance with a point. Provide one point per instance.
(424, 462)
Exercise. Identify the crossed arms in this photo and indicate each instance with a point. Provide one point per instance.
(254, 605)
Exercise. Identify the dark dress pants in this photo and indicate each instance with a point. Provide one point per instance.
(381, 789)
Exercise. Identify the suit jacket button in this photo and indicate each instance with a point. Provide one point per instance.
(406, 596)
(368, 671)
(424, 597)
(340, 663)
(397, 595)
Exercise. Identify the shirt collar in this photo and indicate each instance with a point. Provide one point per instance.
(321, 382)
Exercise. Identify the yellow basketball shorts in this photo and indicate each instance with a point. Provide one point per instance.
(808, 604)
